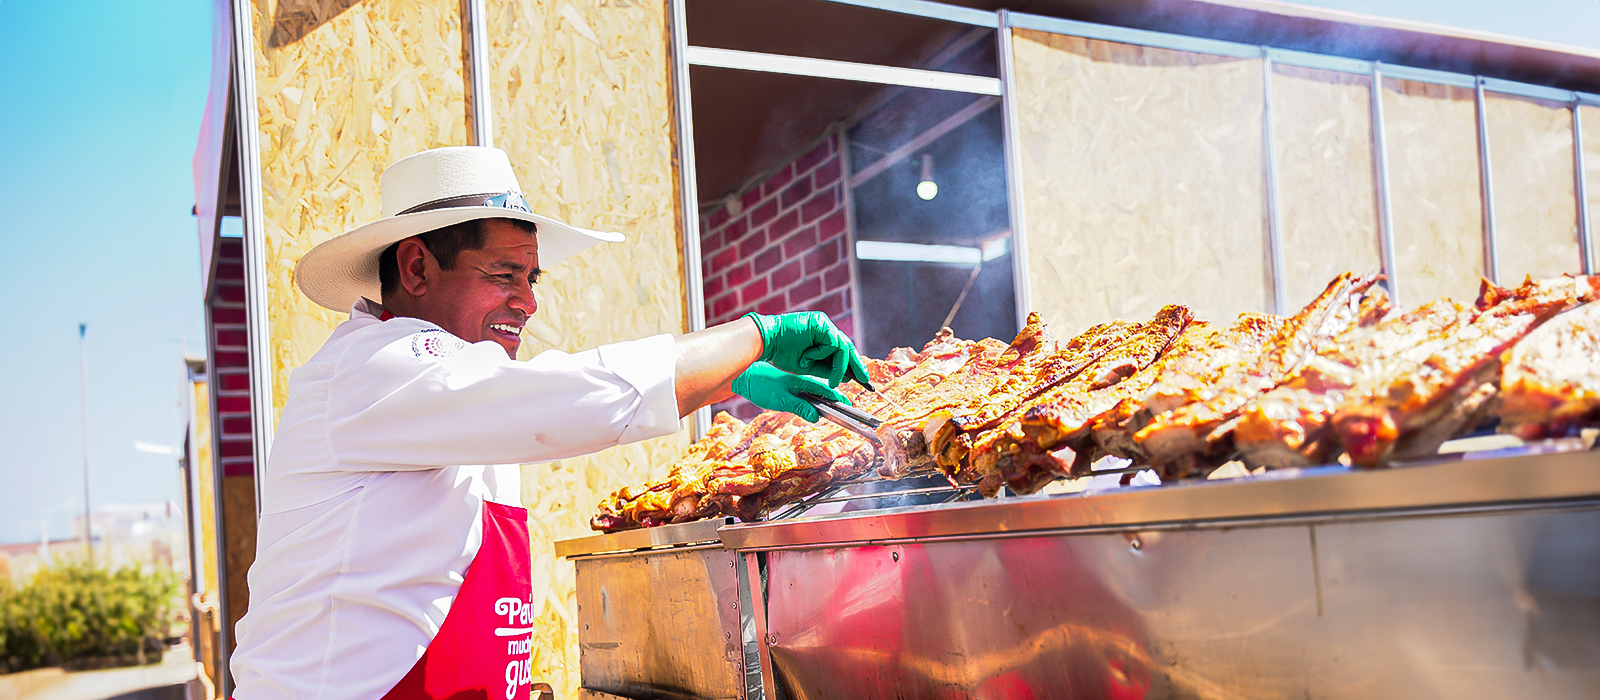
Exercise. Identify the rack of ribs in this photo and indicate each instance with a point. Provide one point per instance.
(1016, 448)
(1343, 375)
(1289, 425)
(745, 469)
(1199, 357)
(1551, 383)
(1184, 439)
(951, 424)
(1406, 412)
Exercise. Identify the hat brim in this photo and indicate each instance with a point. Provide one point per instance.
(345, 268)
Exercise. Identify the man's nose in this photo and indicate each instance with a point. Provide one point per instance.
(524, 301)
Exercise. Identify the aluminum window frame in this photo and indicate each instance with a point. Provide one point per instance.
(1377, 72)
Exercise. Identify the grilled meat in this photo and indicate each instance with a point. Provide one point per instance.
(1342, 375)
(1183, 440)
(1373, 423)
(952, 428)
(1551, 383)
(1288, 426)
(1198, 359)
(1018, 451)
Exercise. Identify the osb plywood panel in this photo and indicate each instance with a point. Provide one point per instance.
(1431, 132)
(1142, 180)
(1327, 202)
(205, 486)
(239, 536)
(582, 103)
(361, 87)
(1591, 168)
(1535, 208)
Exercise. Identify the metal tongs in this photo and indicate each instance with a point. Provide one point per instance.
(848, 417)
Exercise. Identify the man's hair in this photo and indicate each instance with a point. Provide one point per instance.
(445, 244)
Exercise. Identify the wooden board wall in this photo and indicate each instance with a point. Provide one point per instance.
(1591, 167)
(1142, 180)
(1535, 209)
(1431, 132)
(582, 103)
(205, 497)
(239, 541)
(343, 89)
(1322, 130)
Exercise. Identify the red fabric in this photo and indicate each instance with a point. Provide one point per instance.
(386, 315)
(482, 649)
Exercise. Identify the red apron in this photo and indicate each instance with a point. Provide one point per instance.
(482, 649)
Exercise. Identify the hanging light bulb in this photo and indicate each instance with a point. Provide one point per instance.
(927, 189)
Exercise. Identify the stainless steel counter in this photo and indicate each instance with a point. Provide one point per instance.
(1471, 579)
(1470, 482)
(662, 613)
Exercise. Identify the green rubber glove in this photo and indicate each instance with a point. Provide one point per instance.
(776, 390)
(809, 343)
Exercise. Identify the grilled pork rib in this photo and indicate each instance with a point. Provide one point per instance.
(1017, 451)
(1184, 439)
(1551, 383)
(1387, 418)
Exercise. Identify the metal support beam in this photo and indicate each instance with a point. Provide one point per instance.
(1276, 270)
(859, 324)
(1013, 156)
(1380, 166)
(1491, 254)
(753, 619)
(925, 8)
(1581, 190)
(841, 70)
(920, 141)
(258, 337)
(478, 67)
(248, 160)
(689, 213)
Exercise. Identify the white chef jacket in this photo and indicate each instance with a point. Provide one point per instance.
(370, 510)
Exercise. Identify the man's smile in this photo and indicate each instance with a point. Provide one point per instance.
(507, 330)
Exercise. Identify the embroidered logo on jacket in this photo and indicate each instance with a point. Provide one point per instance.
(435, 342)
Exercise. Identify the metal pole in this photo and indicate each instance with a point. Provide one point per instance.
(1491, 255)
(83, 385)
(1013, 163)
(257, 309)
(1276, 270)
(846, 166)
(1380, 164)
(478, 65)
(694, 284)
(247, 158)
(1581, 185)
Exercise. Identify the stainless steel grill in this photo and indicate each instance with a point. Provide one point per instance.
(1472, 575)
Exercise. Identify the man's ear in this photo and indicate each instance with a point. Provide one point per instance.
(413, 259)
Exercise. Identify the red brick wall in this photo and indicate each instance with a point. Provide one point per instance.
(231, 355)
(781, 247)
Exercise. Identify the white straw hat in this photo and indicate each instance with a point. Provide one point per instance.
(422, 192)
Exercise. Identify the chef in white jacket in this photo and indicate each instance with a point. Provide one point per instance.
(391, 554)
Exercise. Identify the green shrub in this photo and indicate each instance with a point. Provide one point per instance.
(75, 614)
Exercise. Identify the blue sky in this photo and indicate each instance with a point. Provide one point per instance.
(100, 106)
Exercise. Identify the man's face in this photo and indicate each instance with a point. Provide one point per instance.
(488, 295)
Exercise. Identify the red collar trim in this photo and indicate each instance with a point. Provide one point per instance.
(385, 316)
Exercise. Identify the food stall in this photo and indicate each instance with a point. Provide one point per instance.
(1144, 168)
(1092, 162)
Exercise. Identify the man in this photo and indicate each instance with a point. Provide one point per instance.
(387, 565)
